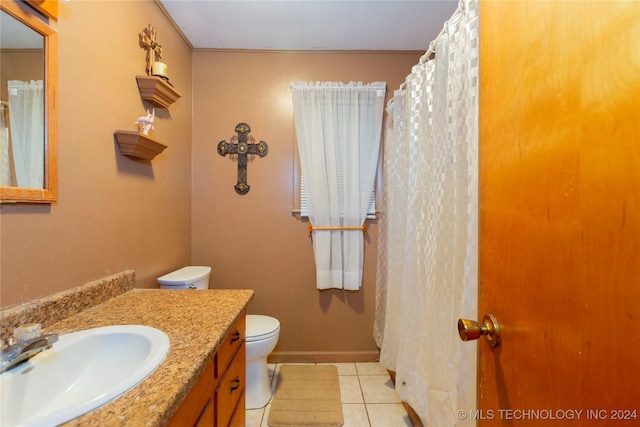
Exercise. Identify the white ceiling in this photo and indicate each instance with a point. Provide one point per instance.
(310, 24)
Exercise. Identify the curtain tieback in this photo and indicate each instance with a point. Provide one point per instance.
(311, 228)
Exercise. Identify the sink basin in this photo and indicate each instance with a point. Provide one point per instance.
(81, 372)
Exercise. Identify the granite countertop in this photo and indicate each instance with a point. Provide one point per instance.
(196, 321)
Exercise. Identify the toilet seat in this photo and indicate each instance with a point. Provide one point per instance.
(261, 327)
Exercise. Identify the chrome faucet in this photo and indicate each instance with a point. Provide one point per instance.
(18, 352)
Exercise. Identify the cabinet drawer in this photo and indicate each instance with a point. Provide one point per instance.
(230, 391)
(229, 347)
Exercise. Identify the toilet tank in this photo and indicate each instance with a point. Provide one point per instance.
(191, 277)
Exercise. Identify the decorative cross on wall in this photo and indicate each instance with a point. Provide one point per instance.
(154, 50)
(244, 146)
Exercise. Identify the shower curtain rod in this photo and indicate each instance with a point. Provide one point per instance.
(431, 51)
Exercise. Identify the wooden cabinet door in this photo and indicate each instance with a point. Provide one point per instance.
(198, 401)
(208, 416)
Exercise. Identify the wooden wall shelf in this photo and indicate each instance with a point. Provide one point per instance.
(48, 8)
(157, 91)
(134, 144)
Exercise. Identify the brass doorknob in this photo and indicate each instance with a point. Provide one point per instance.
(470, 330)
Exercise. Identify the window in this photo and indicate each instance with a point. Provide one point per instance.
(371, 213)
(338, 127)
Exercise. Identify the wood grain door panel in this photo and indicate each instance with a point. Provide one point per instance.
(560, 206)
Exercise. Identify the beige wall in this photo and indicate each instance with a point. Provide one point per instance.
(113, 213)
(253, 241)
(18, 64)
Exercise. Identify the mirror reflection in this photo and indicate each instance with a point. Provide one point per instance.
(22, 133)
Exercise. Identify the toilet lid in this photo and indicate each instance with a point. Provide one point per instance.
(261, 327)
(185, 275)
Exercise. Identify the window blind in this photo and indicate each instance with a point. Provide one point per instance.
(304, 207)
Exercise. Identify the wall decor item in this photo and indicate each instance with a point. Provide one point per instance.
(242, 146)
(145, 123)
(48, 8)
(155, 87)
(138, 144)
(154, 52)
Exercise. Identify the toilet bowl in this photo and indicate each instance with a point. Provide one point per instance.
(261, 338)
(261, 334)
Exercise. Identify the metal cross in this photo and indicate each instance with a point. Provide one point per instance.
(243, 147)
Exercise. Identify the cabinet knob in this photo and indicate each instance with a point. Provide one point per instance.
(235, 337)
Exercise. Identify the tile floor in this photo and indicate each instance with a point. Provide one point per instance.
(368, 397)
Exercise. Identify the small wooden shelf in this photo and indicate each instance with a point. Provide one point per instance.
(157, 91)
(134, 144)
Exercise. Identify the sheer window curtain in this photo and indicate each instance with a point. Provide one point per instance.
(26, 102)
(427, 247)
(5, 166)
(338, 127)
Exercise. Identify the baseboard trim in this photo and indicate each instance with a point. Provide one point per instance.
(323, 356)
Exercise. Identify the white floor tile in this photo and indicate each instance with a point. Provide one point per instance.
(370, 368)
(367, 394)
(274, 384)
(378, 389)
(350, 391)
(344, 368)
(388, 415)
(271, 368)
(355, 415)
(253, 417)
(265, 416)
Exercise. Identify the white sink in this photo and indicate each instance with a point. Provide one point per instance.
(81, 372)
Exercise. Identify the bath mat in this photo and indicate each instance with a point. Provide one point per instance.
(306, 395)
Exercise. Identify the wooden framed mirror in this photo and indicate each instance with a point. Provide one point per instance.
(29, 150)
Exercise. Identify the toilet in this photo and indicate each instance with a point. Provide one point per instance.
(261, 335)
(191, 277)
(261, 338)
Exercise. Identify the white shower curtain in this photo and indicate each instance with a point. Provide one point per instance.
(26, 101)
(338, 128)
(427, 248)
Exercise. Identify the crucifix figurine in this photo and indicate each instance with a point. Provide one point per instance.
(154, 50)
(242, 147)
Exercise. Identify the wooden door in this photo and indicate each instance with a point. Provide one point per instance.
(560, 212)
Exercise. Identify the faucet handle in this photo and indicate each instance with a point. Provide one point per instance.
(27, 332)
(8, 342)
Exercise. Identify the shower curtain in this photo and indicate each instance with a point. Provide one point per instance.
(26, 100)
(427, 247)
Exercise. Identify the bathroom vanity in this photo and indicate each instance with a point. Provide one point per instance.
(201, 380)
(217, 399)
